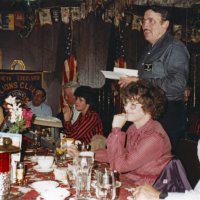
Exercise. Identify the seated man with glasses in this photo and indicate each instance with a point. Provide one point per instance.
(143, 151)
(38, 105)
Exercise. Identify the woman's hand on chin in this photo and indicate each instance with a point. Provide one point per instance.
(119, 120)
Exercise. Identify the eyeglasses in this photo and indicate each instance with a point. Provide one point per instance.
(131, 104)
(150, 21)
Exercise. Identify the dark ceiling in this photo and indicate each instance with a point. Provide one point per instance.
(11, 5)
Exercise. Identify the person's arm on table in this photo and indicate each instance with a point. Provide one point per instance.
(147, 192)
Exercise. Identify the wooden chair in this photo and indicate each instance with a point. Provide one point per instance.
(187, 152)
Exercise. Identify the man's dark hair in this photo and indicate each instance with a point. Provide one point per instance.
(164, 12)
(88, 94)
(40, 89)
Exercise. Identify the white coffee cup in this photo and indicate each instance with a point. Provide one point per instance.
(45, 162)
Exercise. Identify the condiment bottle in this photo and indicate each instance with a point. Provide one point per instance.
(20, 171)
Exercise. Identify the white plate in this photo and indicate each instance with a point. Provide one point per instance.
(38, 169)
(118, 184)
(56, 194)
(44, 186)
(33, 158)
(130, 198)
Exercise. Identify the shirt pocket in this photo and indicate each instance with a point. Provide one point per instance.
(158, 70)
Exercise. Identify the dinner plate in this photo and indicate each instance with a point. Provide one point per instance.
(118, 184)
(44, 186)
(33, 158)
(38, 169)
(130, 198)
(55, 194)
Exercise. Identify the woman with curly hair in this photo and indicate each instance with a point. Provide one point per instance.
(143, 151)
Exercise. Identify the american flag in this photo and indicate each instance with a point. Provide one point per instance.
(120, 51)
(70, 64)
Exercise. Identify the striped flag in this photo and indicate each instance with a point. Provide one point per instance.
(120, 51)
(70, 64)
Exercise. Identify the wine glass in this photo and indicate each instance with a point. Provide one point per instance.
(60, 154)
(36, 143)
(105, 185)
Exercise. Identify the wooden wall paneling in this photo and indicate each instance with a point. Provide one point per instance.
(92, 39)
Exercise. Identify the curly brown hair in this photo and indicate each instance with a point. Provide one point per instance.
(151, 97)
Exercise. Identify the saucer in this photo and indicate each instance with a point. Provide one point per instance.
(56, 193)
(36, 167)
(118, 184)
(44, 186)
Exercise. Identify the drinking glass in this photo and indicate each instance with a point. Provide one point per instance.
(105, 185)
(84, 166)
(36, 143)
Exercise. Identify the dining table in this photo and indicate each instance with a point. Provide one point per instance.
(24, 191)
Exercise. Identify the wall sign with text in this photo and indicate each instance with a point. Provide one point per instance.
(19, 83)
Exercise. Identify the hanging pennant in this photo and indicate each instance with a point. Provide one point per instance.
(0, 21)
(75, 13)
(7, 21)
(65, 14)
(136, 23)
(83, 11)
(89, 6)
(177, 30)
(56, 14)
(19, 19)
(45, 17)
(117, 19)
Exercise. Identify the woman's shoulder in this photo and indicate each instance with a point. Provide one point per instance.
(153, 127)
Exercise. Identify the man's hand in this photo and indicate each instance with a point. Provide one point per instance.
(72, 151)
(125, 80)
(146, 192)
(67, 112)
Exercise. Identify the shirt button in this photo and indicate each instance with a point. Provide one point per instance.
(148, 53)
(142, 63)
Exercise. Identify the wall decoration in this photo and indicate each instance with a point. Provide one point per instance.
(45, 16)
(65, 14)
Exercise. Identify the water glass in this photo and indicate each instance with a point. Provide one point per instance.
(105, 185)
(83, 176)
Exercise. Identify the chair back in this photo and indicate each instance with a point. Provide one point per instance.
(173, 178)
(186, 151)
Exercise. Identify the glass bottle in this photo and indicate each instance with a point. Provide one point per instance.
(20, 171)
